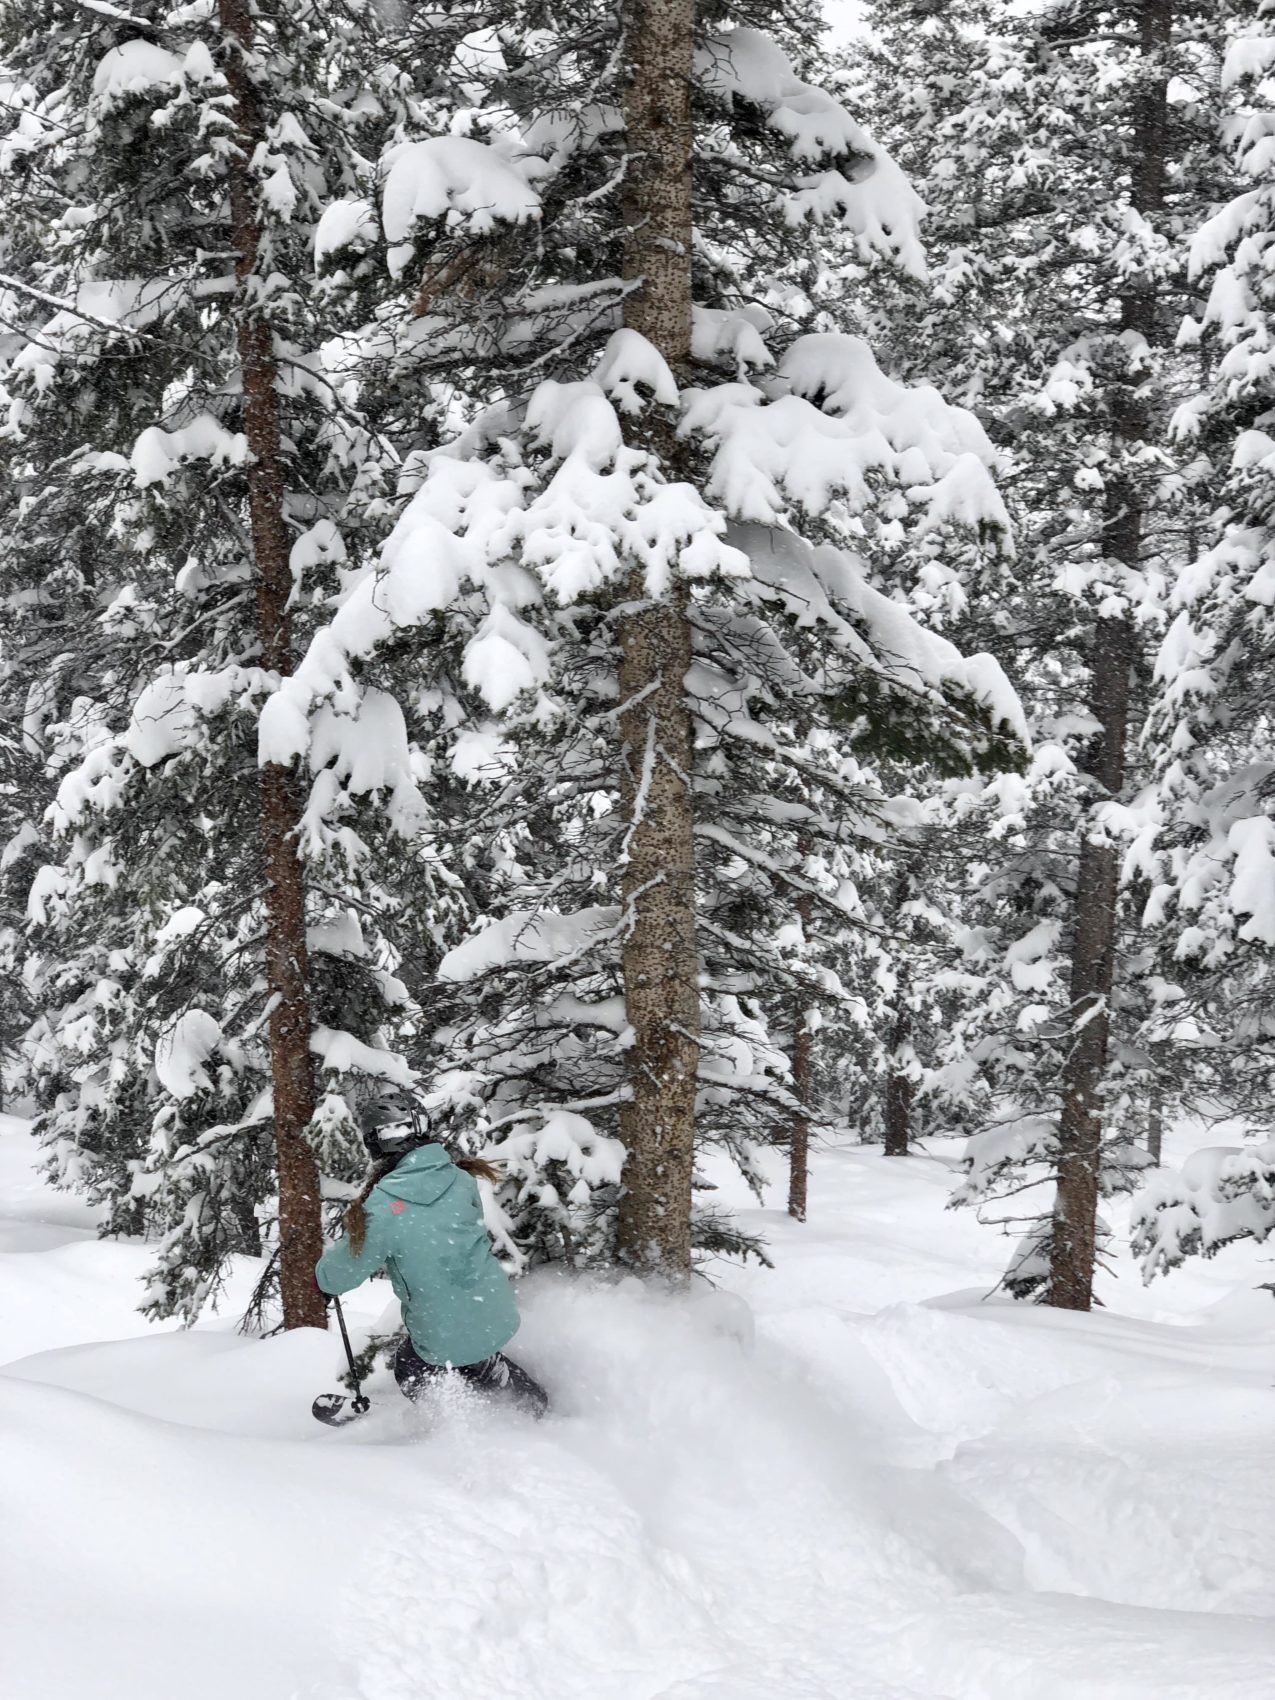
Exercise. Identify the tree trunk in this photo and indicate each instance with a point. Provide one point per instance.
(660, 40)
(292, 1067)
(899, 1090)
(1155, 1123)
(1073, 1244)
(803, 1082)
(661, 981)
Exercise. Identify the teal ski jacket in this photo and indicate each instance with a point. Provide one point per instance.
(425, 1228)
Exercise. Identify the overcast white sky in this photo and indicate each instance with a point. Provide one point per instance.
(843, 18)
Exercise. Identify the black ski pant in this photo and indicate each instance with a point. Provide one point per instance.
(498, 1375)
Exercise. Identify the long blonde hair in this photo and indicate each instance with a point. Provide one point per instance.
(355, 1218)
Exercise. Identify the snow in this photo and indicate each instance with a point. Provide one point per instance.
(182, 1051)
(344, 223)
(629, 360)
(1249, 56)
(421, 569)
(368, 749)
(897, 647)
(747, 64)
(843, 1479)
(162, 721)
(842, 374)
(342, 1053)
(135, 67)
(731, 335)
(835, 426)
(842, 427)
(1222, 1193)
(469, 182)
(877, 204)
(100, 306)
(166, 719)
(1253, 882)
(561, 1136)
(157, 453)
(530, 937)
(504, 657)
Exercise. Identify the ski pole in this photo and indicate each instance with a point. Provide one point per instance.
(360, 1402)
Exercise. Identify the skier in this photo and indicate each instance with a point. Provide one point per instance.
(419, 1217)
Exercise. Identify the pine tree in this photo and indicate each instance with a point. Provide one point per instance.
(1060, 329)
(584, 665)
(1211, 897)
(513, 579)
(193, 483)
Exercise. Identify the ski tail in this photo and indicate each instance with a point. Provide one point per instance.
(336, 1411)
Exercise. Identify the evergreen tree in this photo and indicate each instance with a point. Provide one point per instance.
(531, 546)
(545, 473)
(193, 483)
(1060, 328)
(1211, 902)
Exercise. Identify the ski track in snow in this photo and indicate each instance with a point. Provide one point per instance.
(844, 1479)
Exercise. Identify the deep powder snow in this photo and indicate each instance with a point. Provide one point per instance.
(846, 1479)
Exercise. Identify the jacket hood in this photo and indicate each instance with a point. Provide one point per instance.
(422, 1177)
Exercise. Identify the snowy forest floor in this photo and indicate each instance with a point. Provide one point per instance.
(843, 1479)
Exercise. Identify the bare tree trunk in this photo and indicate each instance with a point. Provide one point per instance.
(292, 1067)
(803, 1084)
(899, 1090)
(1073, 1245)
(799, 1127)
(1155, 1124)
(660, 40)
(661, 982)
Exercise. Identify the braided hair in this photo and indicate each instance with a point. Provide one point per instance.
(355, 1218)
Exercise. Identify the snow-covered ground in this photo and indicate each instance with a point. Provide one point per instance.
(846, 1479)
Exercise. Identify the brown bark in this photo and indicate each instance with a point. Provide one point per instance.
(292, 1067)
(1073, 1245)
(659, 37)
(803, 1082)
(661, 981)
(660, 964)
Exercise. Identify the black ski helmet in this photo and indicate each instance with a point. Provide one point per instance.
(391, 1126)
